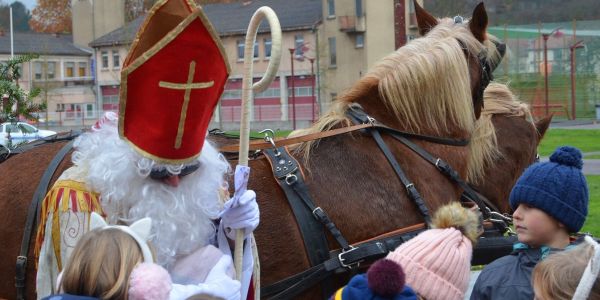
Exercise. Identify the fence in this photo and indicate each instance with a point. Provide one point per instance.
(573, 66)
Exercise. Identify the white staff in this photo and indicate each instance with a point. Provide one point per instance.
(248, 88)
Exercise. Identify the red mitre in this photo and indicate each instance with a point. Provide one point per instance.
(171, 82)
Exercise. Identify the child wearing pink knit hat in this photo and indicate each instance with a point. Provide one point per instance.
(437, 262)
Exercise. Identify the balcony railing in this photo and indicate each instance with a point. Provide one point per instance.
(352, 24)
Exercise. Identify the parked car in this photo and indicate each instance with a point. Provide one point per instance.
(21, 132)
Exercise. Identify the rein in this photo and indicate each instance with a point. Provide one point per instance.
(261, 145)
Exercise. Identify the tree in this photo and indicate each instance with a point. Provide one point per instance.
(16, 103)
(51, 16)
(21, 16)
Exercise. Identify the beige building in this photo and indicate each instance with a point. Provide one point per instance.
(357, 33)
(333, 43)
(63, 72)
(95, 18)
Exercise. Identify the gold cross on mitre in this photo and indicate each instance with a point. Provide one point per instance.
(188, 87)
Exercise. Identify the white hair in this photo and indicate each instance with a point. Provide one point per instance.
(182, 217)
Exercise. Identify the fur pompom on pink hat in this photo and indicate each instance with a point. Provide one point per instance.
(149, 281)
(437, 262)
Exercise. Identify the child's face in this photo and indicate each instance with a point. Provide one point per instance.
(534, 227)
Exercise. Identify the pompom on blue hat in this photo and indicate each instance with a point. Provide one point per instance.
(557, 187)
(384, 280)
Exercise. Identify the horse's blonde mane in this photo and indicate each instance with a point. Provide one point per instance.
(424, 84)
(498, 99)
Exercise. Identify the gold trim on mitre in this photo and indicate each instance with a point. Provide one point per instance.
(141, 59)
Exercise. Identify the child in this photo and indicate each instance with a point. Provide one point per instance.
(115, 262)
(436, 262)
(571, 274)
(550, 201)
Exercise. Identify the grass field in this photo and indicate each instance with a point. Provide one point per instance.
(586, 140)
(592, 224)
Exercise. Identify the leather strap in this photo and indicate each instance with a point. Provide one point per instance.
(260, 145)
(32, 217)
(411, 190)
(340, 260)
(285, 166)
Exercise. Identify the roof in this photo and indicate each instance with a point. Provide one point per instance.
(41, 43)
(233, 19)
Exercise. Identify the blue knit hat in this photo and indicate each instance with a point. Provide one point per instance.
(385, 280)
(557, 187)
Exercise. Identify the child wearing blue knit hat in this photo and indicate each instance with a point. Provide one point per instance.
(550, 202)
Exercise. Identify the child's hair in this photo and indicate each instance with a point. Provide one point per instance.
(558, 276)
(100, 265)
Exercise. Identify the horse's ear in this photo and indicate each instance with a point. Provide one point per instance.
(425, 21)
(542, 126)
(479, 22)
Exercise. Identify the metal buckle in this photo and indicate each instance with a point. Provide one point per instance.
(371, 120)
(341, 259)
(269, 135)
(290, 179)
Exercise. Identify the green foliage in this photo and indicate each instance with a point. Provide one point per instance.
(21, 16)
(10, 72)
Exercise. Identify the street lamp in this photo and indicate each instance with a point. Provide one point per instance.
(292, 50)
(572, 49)
(546, 36)
(292, 56)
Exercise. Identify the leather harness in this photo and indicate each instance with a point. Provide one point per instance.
(312, 219)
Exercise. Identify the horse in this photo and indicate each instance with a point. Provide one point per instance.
(507, 140)
(431, 86)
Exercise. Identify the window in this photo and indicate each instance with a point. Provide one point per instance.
(232, 94)
(116, 59)
(332, 53)
(89, 110)
(360, 40)
(51, 70)
(60, 107)
(82, 69)
(104, 59)
(110, 99)
(268, 44)
(37, 70)
(240, 49)
(301, 91)
(70, 69)
(299, 45)
(269, 93)
(26, 128)
(255, 49)
(333, 96)
(359, 8)
(331, 8)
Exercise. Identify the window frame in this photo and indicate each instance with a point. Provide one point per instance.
(104, 59)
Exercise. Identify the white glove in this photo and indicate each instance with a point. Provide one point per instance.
(241, 214)
(218, 284)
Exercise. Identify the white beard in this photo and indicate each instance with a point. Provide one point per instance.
(181, 216)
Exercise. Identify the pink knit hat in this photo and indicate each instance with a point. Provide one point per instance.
(437, 262)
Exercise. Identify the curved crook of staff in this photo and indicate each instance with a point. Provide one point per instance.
(248, 88)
